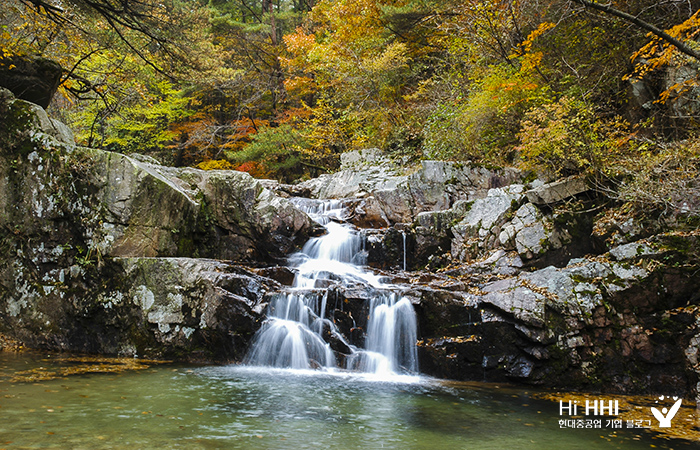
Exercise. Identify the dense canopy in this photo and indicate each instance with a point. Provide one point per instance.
(279, 88)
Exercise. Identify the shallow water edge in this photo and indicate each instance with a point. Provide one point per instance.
(106, 404)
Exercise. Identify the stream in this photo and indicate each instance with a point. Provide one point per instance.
(238, 407)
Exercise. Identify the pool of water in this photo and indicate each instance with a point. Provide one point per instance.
(51, 402)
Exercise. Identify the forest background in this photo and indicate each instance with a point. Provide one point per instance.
(280, 88)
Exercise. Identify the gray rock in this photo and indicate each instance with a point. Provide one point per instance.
(480, 229)
(686, 105)
(531, 233)
(511, 297)
(148, 307)
(491, 210)
(32, 79)
(50, 127)
(62, 132)
(144, 158)
(89, 232)
(500, 262)
(557, 191)
(432, 233)
(391, 196)
(121, 206)
(573, 292)
(632, 250)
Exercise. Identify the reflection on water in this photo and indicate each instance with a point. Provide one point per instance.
(232, 407)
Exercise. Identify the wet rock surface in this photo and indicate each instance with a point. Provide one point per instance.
(527, 282)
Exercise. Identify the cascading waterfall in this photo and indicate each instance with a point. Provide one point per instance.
(391, 327)
(298, 335)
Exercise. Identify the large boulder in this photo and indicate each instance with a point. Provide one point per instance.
(624, 321)
(478, 230)
(33, 79)
(114, 205)
(96, 247)
(182, 308)
(555, 192)
(388, 193)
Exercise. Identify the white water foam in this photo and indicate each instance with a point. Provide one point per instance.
(296, 332)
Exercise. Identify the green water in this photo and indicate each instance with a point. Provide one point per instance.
(232, 407)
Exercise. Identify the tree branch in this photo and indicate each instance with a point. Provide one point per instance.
(661, 34)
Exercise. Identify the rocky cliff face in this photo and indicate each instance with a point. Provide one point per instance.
(532, 282)
(511, 279)
(96, 244)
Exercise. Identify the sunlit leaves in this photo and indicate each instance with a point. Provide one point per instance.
(660, 54)
(483, 125)
(565, 138)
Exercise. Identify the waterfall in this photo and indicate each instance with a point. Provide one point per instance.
(403, 233)
(391, 327)
(297, 334)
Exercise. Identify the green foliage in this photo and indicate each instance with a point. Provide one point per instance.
(282, 150)
(443, 132)
(566, 137)
(578, 58)
(484, 126)
(145, 124)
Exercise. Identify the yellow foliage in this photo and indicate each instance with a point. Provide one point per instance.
(299, 41)
(526, 45)
(565, 138)
(531, 60)
(299, 85)
(658, 52)
(215, 164)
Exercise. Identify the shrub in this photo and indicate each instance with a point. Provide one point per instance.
(215, 164)
(666, 182)
(566, 138)
(484, 127)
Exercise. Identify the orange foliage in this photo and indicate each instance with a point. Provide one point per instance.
(659, 53)
(202, 138)
(254, 168)
(295, 116)
(299, 42)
